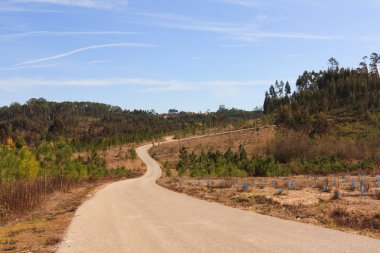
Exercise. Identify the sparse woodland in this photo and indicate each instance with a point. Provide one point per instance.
(348, 94)
(330, 124)
(87, 124)
(38, 140)
(333, 115)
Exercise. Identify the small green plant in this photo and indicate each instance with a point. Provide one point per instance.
(168, 171)
(132, 153)
(120, 171)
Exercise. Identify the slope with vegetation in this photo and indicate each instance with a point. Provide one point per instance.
(333, 114)
(329, 97)
(319, 166)
(84, 124)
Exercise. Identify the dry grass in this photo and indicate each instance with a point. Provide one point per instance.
(254, 141)
(17, 198)
(41, 229)
(306, 203)
(289, 145)
(118, 156)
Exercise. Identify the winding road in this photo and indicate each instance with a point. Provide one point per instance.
(137, 215)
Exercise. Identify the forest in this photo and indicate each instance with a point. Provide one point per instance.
(98, 125)
(343, 92)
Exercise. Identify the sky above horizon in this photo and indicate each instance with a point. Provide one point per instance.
(192, 55)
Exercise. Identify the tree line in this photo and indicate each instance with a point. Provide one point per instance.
(318, 93)
(87, 123)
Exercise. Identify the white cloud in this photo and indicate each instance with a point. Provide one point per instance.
(28, 67)
(62, 33)
(97, 62)
(233, 31)
(96, 4)
(148, 85)
(14, 8)
(79, 50)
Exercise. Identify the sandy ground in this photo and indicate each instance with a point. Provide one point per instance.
(139, 216)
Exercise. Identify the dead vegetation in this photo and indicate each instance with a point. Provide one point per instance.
(41, 229)
(295, 198)
(289, 145)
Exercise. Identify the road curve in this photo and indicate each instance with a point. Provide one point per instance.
(137, 215)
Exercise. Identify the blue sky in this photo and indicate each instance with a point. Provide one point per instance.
(192, 55)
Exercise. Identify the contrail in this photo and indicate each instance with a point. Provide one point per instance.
(79, 50)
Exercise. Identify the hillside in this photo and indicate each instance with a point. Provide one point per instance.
(318, 165)
(330, 101)
(88, 123)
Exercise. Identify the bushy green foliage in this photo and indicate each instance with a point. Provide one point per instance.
(120, 171)
(17, 163)
(236, 164)
(132, 153)
(168, 171)
(48, 161)
(27, 175)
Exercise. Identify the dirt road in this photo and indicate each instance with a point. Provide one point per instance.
(139, 216)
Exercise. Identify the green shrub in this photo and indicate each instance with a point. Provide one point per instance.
(120, 171)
